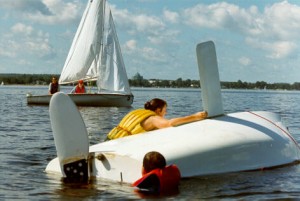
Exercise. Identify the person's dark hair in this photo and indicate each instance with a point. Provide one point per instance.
(154, 104)
(153, 160)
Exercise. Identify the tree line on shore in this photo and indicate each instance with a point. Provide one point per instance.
(138, 81)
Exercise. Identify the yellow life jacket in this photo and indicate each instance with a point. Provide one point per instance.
(130, 124)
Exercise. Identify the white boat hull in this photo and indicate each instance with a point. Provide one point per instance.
(234, 142)
(95, 100)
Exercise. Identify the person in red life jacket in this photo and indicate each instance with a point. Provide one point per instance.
(79, 88)
(54, 86)
(157, 177)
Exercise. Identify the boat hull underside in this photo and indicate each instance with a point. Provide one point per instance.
(230, 143)
(103, 100)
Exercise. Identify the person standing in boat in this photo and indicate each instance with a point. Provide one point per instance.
(157, 176)
(79, 88)
(54, 86)
(150, 118)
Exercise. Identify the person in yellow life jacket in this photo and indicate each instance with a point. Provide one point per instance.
(150, 118)
(157, 176)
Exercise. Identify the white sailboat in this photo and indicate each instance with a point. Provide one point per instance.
(220, 144)
(95, 55)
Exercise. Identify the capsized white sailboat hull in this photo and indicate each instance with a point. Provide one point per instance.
(234, 142)
(94, 100)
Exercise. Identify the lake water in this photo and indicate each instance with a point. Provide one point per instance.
(27, 145)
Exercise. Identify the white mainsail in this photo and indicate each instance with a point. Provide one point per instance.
(95, 53)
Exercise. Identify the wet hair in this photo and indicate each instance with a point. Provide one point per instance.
(153, 160)
(154, 104)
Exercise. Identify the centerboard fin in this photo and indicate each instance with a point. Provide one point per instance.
(209, 79)
(70, 137)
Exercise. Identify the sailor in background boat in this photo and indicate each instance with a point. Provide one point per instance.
(157, 177)
(54, 86)
(150, 118)
(79, 88)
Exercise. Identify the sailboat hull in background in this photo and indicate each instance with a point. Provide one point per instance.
(95, 55)
(92, 100)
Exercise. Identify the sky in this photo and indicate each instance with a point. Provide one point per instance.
(256, 40)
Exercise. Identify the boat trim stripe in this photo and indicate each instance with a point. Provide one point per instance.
(287, 133)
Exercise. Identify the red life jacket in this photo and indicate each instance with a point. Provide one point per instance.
(79, 90)
(168, 180)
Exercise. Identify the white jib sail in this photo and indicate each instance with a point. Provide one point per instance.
(95, 52)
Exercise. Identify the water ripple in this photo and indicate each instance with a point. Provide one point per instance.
(27, 145)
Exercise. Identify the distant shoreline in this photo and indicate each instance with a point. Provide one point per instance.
(152, 88)
(139, 81)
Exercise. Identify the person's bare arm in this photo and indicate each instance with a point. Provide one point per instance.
(187, 119)
(155, 122)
